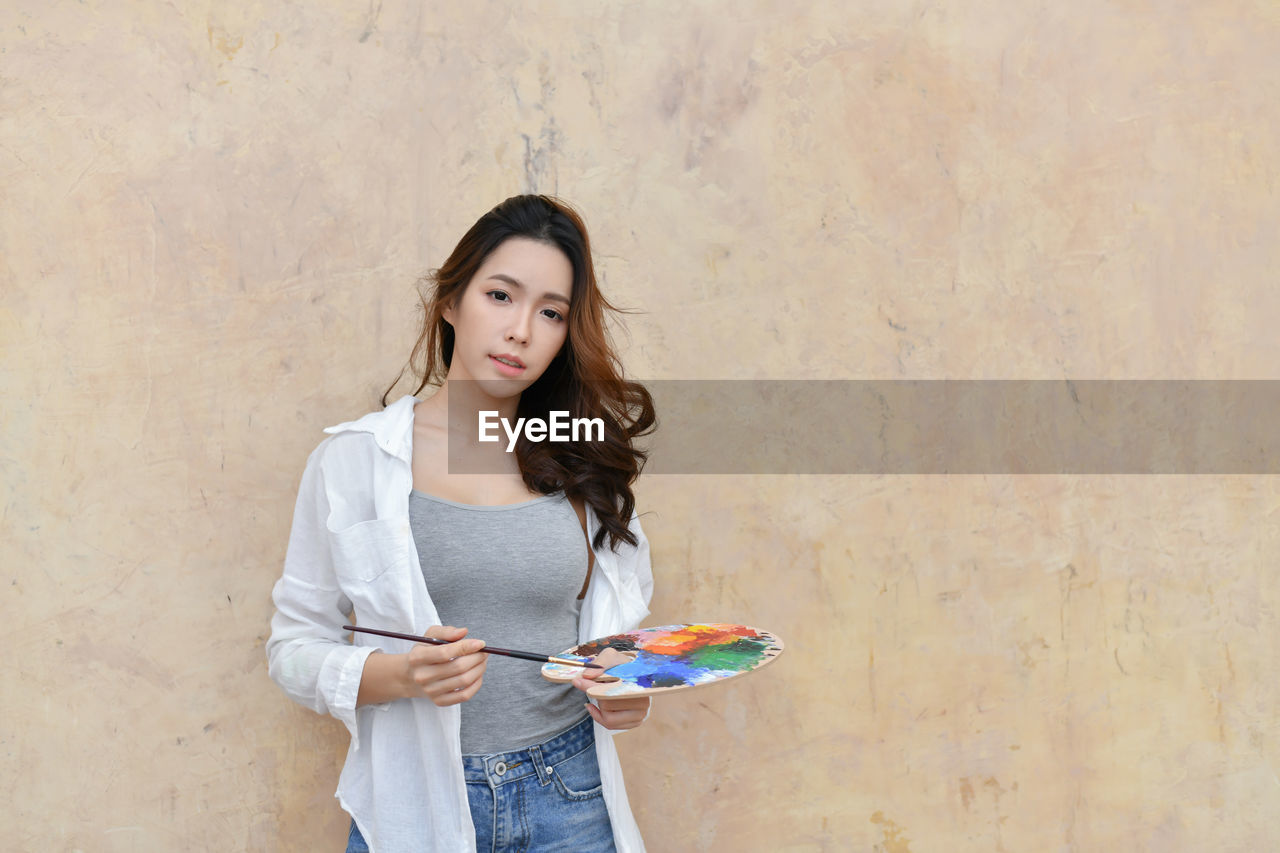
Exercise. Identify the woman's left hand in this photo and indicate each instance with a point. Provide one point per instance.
(613, 714)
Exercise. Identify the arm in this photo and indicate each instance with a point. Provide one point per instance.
(446, 675)
(635, 575)
(307, 652)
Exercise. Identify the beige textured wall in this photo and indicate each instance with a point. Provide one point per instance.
(212, 217)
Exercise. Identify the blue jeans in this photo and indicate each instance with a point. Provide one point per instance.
(543, 797)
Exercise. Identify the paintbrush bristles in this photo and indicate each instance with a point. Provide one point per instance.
(570, 661)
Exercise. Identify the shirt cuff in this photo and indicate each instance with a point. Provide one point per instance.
(345, 667)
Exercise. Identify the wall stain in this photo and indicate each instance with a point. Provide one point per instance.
(893, 840)
(371, 23)
(221, 42)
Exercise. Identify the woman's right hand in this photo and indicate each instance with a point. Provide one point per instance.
(448, 674)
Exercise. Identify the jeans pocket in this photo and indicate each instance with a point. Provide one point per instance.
(578, 777)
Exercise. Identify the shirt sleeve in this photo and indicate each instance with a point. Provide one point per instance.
(644, 568)
(635, 572)
(307, 653)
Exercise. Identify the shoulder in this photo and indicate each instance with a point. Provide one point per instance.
(357, 445)
(385, 425)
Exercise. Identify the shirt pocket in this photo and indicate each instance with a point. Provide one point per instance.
(365, 551)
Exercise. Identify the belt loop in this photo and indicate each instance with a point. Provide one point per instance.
(535, 752)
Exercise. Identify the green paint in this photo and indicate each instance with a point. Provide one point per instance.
(738, 655)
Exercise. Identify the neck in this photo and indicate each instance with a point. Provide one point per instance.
(462, 403)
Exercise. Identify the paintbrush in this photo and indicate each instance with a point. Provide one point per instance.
(493, 650)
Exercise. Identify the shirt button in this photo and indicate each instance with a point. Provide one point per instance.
(500, 768)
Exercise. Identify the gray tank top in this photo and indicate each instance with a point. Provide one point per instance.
(510, 575)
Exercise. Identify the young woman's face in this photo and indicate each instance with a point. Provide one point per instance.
(512, 318)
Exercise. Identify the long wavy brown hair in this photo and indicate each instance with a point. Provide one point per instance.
(584, 379)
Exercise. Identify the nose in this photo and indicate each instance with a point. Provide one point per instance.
(519, 329)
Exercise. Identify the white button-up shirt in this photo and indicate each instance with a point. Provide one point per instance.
(351, 548)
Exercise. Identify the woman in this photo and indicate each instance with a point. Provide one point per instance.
(453, 749)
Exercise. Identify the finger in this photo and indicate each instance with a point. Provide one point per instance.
(429, 672)
(627, 714)
(640, 703)
(628, 711)
(466, 683)
(456, 697)
(621, 719)
(463, 647)
(445, 632)
(473, 664)
(585, 683)
(423, 653)
(594, 712)
(434, 679)
(611, 657)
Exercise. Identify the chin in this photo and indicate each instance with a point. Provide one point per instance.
(502, 388)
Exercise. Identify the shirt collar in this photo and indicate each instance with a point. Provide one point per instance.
(391, 428)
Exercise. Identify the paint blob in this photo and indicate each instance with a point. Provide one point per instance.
(675, 656)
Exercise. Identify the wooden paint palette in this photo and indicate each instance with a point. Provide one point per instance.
(672, 657)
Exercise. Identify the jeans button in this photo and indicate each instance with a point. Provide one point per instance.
(500, 768)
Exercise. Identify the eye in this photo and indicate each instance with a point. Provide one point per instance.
(498, 295)
(552, 314)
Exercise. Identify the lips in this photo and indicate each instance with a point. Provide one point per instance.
(508, 365)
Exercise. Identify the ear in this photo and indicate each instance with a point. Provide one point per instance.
(448, 311)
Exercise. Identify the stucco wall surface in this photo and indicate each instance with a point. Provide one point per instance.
(213, 217)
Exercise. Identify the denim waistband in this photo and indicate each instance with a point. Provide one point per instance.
(503, 767)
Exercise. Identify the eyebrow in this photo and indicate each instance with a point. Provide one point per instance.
(554, 297)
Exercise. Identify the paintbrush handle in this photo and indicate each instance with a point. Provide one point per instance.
(493, 650)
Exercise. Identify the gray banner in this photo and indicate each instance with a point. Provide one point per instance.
(963, 427)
